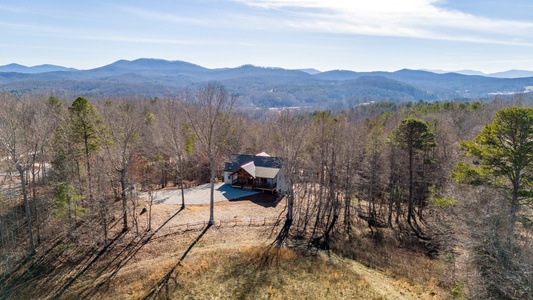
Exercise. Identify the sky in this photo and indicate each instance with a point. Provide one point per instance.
(359, 35)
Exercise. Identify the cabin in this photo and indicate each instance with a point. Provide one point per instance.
(259, 172)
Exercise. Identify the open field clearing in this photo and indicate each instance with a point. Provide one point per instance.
(230, 260)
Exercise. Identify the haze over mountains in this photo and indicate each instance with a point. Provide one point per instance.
(504, 74)
(33, 70)
(263, 87)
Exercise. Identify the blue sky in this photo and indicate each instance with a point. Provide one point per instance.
(359, 35)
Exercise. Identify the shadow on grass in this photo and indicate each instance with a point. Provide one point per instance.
(88, 266)
(263, 199)
(115, 264)
(28, 270)
(258, 270)
(26, 274)
(163, 284)
(120, 260)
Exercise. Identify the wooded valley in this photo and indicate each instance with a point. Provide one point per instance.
(388, 185)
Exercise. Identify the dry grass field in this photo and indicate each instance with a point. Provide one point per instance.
(181, 258)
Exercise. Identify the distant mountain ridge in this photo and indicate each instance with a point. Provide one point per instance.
(311, 71)
(504, 74)
(259, 86)
(512, 74)
(153, 63)
(33, 70)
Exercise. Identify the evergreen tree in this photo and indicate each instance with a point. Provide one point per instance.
(503, 156)
(85, 124)
(416, 138)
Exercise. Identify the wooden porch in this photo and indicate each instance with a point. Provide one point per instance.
(254, 185)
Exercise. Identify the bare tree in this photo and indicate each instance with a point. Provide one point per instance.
(175, 137)
(16, 118)
(208, 115)
(125, 119)
(372, 166)
(47, 117)
(290, 135)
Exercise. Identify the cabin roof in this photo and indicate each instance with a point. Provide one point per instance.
(250, 168)
(263, 172)
(261, 163)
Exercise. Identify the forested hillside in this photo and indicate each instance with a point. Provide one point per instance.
(433, 194)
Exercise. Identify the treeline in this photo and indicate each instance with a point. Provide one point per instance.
(384, 171)
(71, 169)
(71, 162)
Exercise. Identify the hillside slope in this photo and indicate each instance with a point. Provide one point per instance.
(182, 258)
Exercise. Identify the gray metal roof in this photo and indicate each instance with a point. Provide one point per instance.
(237, 160)
(263, 172)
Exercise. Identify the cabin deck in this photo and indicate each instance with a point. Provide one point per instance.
(254, 187)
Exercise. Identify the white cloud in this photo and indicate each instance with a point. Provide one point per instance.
(405, 18)
(163, 17)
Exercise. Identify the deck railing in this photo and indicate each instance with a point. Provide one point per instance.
(256, 185)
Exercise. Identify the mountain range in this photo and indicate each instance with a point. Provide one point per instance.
(33, 70)
(260, 86)
(504, 74)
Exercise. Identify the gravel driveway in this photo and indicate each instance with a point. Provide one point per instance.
(199, 194)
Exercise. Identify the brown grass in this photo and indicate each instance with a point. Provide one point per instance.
(259, 272)
(411, 269)
(228, 262)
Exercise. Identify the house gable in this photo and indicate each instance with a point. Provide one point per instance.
(249, 168)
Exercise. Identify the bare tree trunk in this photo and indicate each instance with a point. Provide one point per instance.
(103, 212)
(212, 196)
(180, 161)
(151, 197)
(134, 214)
(34, 195)
(78, 172)
(27, 207)
(284, 232)
(123, 195)
(290, 205)
(392, 186)
(102, 201)
(69, 215)
(348, 196)
(89, 177)
(411, 185)
(42, 166)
